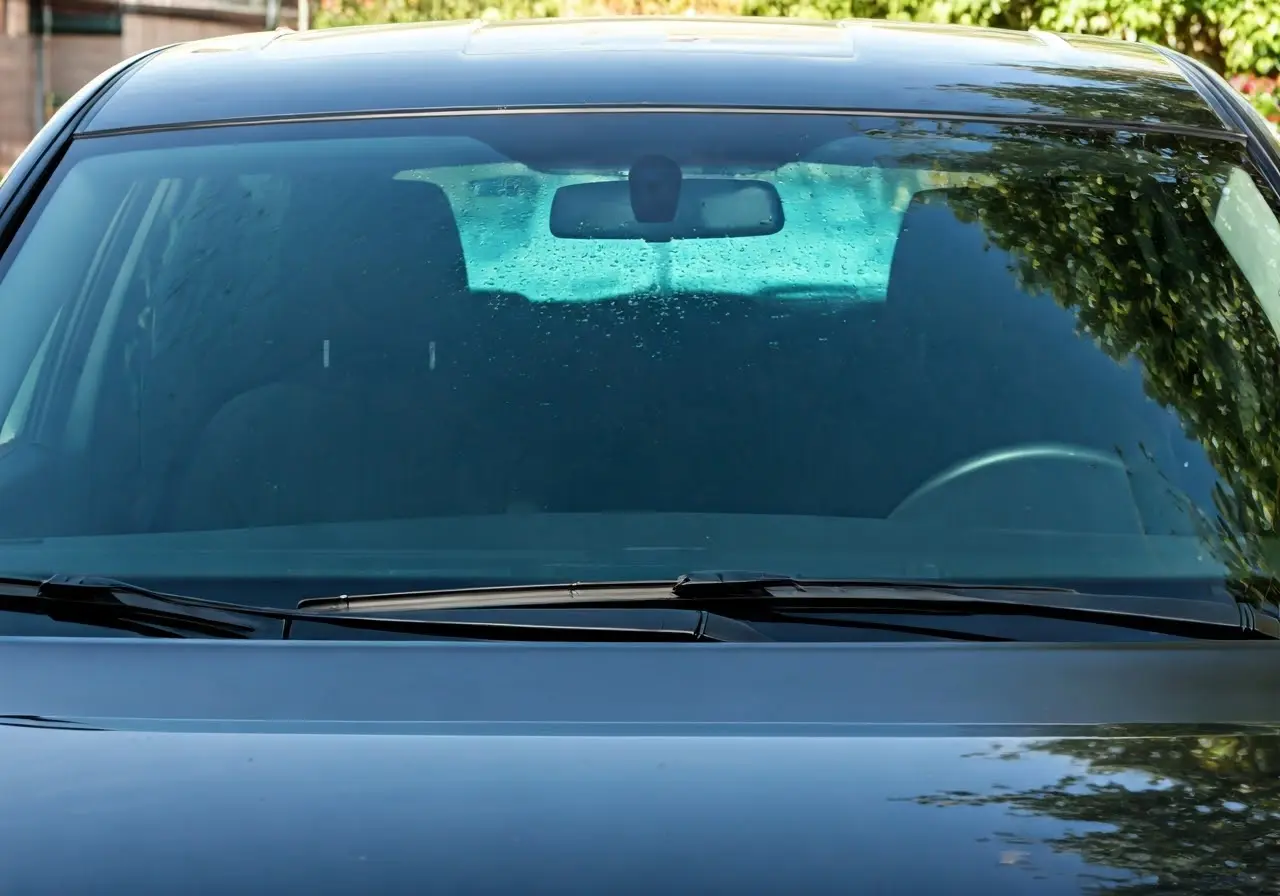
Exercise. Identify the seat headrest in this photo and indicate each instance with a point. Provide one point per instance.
(380, 232)
(383, 262)
(213, 285)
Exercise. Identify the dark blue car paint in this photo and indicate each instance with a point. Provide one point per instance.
(329, 767)
(150, 767)
(863, 66)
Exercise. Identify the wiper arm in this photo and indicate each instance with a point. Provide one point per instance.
(745, 595)
(106, 603)
(1173, 616)
(691, 586)
(112, 604)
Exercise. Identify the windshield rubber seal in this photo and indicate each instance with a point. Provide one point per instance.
(1263, 147)
(1059, 122)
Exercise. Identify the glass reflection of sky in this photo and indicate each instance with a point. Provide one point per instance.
(844, 800)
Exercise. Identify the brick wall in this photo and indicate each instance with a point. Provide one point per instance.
(17, 96)
(76, 59)
(73, 60)
(143, 32)
(16, 18)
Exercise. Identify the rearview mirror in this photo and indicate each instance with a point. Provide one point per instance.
(707, 208)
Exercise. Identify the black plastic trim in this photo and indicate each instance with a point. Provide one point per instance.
(1264, 147)
(1051, 121)
(1189, 69)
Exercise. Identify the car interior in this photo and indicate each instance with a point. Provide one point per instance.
(364, 379)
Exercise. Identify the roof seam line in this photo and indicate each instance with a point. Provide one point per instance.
(1045, 120)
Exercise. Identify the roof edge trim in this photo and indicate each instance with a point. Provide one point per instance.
(1224, 134)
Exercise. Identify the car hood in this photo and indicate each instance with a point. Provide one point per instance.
(500, 769)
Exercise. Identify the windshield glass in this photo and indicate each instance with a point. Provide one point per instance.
(398, 350)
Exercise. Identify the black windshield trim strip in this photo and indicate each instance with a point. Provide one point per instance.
(1059, 122)
(1220, 105)
(1229, 104)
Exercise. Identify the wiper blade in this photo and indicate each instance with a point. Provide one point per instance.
(698, 585)
(106, 603)
(744, 595)
(1173, 616)
(112, 604)
(737, 584)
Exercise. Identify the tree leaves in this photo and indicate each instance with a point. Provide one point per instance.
(1204, 823)
(1233, 36)
(1172, 298)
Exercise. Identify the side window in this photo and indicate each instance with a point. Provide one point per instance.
(1246, 225)
(126, 282)
(65, 247)
(15, 420)
(179, 283)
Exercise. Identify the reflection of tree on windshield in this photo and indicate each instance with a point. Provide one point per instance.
(1203, 823)
(1109, 94)
(1126, 241)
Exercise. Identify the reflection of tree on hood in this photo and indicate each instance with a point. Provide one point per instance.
(1138, 260)
(1207, 824)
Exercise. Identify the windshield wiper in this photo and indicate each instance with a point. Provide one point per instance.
(721, 605)
(739, 584)
(111, 604)
(106, 603)
(752, 596)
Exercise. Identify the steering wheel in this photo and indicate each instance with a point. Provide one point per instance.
(1045, 486)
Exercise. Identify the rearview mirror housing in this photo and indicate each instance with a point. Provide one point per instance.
(707, 208)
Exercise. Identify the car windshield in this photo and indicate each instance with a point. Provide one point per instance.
(456, 349)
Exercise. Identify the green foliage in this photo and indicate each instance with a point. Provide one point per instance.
(1207, 348)
(1264, 93)
(334, 13)
(375, 12)
(1232, 36)
(1204, 822)
(1229, 35)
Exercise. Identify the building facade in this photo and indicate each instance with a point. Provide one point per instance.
(49, 49)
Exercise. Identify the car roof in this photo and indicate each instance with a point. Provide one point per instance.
(870, 66)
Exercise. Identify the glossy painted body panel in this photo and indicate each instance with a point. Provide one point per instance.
(321, 767)
(459, 813)
(870, 66)
(152, 767)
